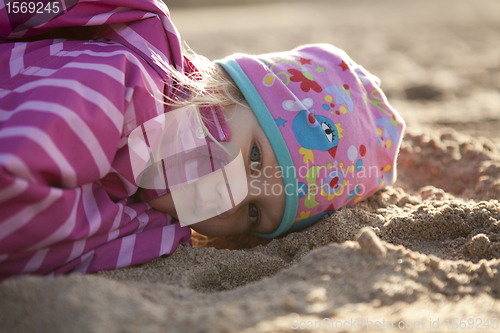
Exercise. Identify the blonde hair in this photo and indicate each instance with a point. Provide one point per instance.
(200, 240)
(208, 86)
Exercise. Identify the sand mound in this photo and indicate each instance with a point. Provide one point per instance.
(414, 255)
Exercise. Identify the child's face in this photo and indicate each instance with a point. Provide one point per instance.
(263, 208)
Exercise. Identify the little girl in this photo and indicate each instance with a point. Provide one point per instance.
(80, 85)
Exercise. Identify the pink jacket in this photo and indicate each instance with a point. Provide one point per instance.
(66, 109)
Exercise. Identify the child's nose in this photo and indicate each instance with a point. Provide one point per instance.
(236, 197)
(235, 206)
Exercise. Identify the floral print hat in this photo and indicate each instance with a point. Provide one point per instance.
(334, 134)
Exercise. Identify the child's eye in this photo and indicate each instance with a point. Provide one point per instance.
(255, 157)
(253, 214)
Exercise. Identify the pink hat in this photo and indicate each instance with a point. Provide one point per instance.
(334, 134)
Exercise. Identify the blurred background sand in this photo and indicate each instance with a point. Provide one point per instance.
(439, 61)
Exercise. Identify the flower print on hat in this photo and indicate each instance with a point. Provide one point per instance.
(327, 120)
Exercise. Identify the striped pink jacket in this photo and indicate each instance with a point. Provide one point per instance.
(66, 109)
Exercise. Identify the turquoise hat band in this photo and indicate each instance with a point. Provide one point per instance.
(275, 138)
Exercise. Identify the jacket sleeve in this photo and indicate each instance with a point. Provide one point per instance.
(17, 22)
(66, 110)
(153, 35)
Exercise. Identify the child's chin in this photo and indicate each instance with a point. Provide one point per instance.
(209, 228)
(200, 227)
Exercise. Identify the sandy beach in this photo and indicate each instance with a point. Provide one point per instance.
(423, 254)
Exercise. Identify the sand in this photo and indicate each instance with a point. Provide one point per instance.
(416, 254)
